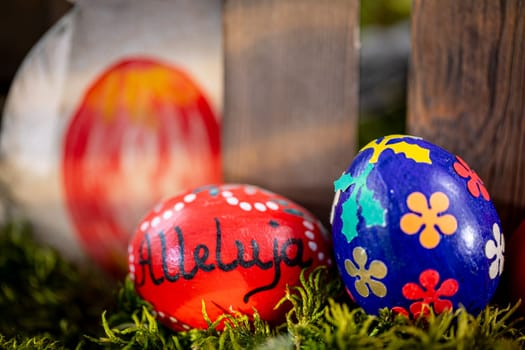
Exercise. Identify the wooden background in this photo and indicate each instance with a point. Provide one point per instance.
(291, 89)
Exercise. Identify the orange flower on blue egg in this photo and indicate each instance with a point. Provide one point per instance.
(428, 216)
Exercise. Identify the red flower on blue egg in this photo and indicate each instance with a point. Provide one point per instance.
(428, 296)
(475, 185)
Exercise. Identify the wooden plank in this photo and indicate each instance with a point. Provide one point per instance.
(291, 86)
(467, 90)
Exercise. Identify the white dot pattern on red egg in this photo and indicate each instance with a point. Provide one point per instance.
(156, 313)
(244, 205)
(247, 200)
(131, 261)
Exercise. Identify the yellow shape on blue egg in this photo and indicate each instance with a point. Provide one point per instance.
(411, 151)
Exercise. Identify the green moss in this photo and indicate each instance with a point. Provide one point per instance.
(48, 303)
(43, 295)
(43, 342)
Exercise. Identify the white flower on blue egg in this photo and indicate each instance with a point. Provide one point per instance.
(494, 249)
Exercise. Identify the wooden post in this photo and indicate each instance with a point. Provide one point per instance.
(467, 90)
(291, 86)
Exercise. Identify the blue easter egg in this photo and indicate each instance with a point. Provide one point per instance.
(413, 227)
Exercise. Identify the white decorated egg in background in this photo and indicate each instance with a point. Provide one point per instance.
(413, 227)
(117, 106)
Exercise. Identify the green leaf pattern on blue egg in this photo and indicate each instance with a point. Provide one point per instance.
(361, 197)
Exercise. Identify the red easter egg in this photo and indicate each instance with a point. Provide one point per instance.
(516, 266)
(235, 247)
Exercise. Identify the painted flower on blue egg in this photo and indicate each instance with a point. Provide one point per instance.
(367, 278)
(414, 228)
(428, 215)
(428, 293)
(494, 250)
(475, 185)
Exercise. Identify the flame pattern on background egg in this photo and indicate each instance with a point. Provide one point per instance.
(143, 129)
(413, 227)
(233, 247)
